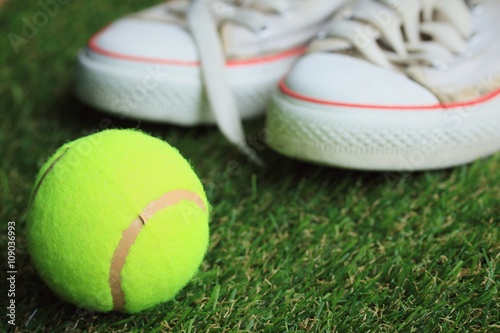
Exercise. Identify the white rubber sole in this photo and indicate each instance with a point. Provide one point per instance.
(383, 139)
(169, 93)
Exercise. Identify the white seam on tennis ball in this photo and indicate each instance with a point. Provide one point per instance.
(132, 232)
(37, 187)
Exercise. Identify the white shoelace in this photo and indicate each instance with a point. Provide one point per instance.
(390, 33)
(204, 27)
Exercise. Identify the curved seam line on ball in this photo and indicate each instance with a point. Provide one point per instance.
(37, 187)
(132, 232)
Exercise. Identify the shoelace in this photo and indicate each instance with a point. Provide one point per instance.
(390, 33)
(203, 25)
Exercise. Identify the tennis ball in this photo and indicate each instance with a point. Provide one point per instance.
(117, 221)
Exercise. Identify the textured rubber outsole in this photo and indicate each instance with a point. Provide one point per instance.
(383, 140)
(169, 93)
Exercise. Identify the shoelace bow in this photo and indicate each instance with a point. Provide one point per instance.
(203, 25)
(390, 33)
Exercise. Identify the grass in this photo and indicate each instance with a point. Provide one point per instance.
(294, 247)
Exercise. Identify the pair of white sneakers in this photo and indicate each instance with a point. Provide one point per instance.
(363, 84)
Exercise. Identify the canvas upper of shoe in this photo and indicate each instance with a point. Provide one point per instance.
(448, 47)
(246, 32)
(248, 29)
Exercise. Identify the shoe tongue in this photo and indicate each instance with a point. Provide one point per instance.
(227, 35)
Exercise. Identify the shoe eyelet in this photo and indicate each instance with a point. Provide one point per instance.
(264, 32)
(348, 14)
(477, 10)
(476, 7)
(474, 39)
(322, 35)
(287, 14)
(441, 66)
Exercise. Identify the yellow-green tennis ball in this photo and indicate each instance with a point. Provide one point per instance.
(117, 221)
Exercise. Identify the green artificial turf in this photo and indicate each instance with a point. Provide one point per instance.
(294, 247)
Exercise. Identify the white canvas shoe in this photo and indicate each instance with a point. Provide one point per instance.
(159, 64)
(395, 85)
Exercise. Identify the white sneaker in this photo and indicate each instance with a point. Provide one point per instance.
(150, 65)
(395, 85)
